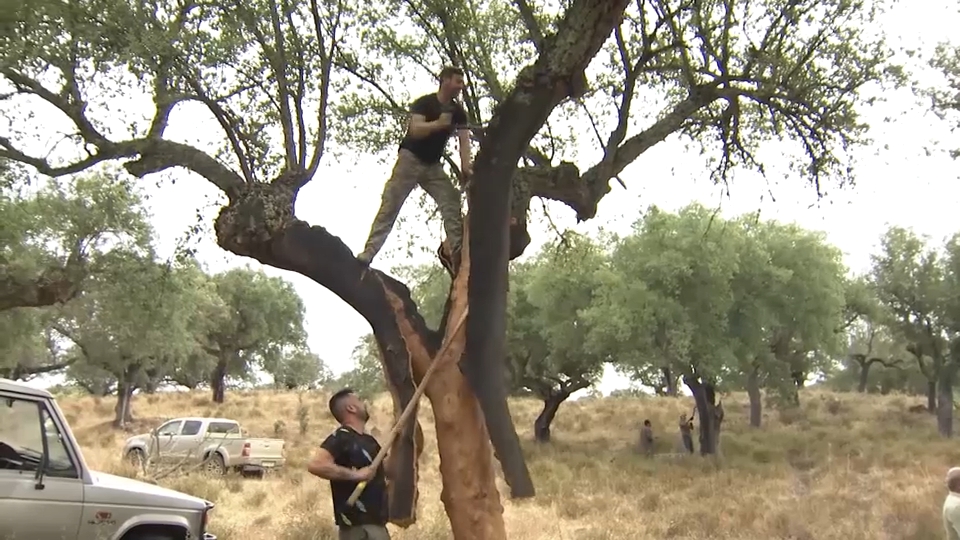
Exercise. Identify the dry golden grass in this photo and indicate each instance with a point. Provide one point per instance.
(841, 467)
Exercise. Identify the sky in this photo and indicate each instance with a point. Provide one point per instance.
(897, 183)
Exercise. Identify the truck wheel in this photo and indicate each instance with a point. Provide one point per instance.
(156, 533)
(215, 466)
(136, 457)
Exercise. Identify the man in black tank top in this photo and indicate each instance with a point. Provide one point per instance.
(344, 458)
(434, 118)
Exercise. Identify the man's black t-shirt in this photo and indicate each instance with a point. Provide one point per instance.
(356, 450)
(430, 148)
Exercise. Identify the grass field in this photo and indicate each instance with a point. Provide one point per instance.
(843, 466)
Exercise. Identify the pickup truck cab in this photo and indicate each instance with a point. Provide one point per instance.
(47, 492)
(219, 443)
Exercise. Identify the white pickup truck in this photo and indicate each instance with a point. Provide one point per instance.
(218, 443)
(47, 492)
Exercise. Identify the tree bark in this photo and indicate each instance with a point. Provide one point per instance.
(541, 426)
(711, 416)
(218, 379)
(469, 494)
(945, 399)
(669, 381)
(123, 412)
(556, 75)
(753, 392)
(56, 285)
(261, 225)
(864, 376)
(551, 404)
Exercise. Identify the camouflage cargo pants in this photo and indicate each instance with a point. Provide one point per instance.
(365, 532)
(409, 172)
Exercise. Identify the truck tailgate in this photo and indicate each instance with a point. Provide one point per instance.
(265, 451)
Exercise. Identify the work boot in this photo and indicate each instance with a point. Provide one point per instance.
(449, 260)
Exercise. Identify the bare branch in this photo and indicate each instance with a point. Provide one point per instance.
(228, 123)
(70, 106)
(327, 63)
(530, 21)
(582, 193)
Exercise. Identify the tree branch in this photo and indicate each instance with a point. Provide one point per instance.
(583, 192)
(55, 285)
(530, 21)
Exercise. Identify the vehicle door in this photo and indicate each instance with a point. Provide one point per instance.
(41, 492)
(164, 441)
(187, 444)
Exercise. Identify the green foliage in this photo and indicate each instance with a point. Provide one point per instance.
(549, 352)
(136, 319)
(251, 319)
(717, 299)
(367, 377)
(909, 282)
(52, 231)
(945, 98)
(429, 285)
(300, 369)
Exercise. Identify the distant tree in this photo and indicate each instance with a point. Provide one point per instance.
(790, 290)
(909, 277)
(366, 377)
(254, 318)
(137, 318)
(53, 237)
(548, 345)
(299, 368)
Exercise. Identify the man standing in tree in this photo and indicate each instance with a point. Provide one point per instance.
(433, 119)
(344, 458)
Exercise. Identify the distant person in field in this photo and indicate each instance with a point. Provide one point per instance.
(686, 433)
(646, 438)
(951, 505)
(344, 458)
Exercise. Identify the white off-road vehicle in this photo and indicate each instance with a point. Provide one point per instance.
(47, 492)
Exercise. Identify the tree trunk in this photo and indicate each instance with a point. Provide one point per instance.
(218, 379)
(932, 396)
(708, 411)
(123, 411)
(753, 392)
(945, 399)
(469, 493)
(864, 376)
(669, 381)
(541, 426)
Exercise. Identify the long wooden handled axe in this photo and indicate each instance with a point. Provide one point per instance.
(411, 406)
